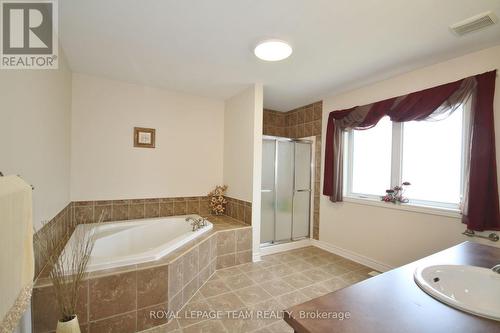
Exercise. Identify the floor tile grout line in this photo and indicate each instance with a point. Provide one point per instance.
(247, 273)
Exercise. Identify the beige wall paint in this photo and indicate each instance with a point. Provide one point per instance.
(389, 236)
(35, 134)
(243, 118)
(239, 136)
(187, 160)
(257, 169)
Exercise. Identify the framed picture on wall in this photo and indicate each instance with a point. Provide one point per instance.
(144, 137)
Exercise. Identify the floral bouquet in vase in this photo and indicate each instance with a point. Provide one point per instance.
(216, 200)
(395, 194)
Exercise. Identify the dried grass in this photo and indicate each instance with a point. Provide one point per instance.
(67, 266)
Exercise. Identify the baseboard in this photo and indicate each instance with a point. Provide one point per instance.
(285, 247)
(376, 265)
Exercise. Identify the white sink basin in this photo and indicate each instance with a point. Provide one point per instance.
(468, 288)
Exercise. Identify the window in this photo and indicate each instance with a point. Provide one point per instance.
(428, 154)
(371, 157)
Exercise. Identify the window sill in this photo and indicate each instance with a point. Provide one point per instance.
(448, 212)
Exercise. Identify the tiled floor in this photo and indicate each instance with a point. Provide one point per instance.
(264, 289)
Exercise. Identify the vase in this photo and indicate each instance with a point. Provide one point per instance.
(71, 326)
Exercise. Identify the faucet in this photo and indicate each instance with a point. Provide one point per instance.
(196, 223)
(496, 269)
(190, 218)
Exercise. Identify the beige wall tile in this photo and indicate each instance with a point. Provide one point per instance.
(145, 320)
(167, 208)
(175, 282)
(136, 211)
(125, 323)
(112, 295)
(204, 254)
(243, 239)
(152, 286)
(189, 266)
(175, 303)
(227, 260)
(84, 214)
(119, 212)
(45, 311)
(190, 289)
(243, 257)
(104, 211)
(180, 208)
(152, 209)
(226, 242)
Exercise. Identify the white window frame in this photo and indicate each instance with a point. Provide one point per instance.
(428, 206)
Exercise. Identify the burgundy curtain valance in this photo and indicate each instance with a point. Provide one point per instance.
(481, 206)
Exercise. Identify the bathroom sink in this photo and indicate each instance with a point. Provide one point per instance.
(468, 288)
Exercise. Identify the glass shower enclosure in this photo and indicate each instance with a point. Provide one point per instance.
(286, 189)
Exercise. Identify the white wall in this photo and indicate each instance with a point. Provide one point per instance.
(239, 136)
(187, 160)
(243, 152)
(35, 134)
(257, 169)
(389, 236)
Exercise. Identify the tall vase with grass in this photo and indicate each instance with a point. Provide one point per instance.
(67, 271)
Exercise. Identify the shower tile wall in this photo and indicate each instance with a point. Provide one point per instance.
(300, 123)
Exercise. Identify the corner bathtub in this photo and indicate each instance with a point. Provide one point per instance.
(131, 242)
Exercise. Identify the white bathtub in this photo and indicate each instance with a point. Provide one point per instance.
(131, 242)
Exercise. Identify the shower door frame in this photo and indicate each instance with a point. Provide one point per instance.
(312, 142)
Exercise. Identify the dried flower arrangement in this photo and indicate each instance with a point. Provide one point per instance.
(216, 200)
(395, 195)
(67, 270)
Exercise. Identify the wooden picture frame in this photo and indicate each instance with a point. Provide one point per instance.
(144, 137)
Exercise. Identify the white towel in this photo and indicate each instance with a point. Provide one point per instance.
(16, 250)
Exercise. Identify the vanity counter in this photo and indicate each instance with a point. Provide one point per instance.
(392, 302)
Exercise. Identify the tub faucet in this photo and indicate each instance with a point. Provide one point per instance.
(190, 218)
(496, 269)
(196, 223)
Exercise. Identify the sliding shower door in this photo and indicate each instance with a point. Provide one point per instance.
(286, 189)
(267, 191)
(302, 190)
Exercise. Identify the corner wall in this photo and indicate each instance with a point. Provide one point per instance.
(243, 152)
(389, 236)
(35, 120)
(186, 162)
(239, 135)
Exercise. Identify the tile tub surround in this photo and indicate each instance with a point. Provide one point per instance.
(299, 123)
(239, 209)
(120, 300)
(274, 284)
(79, 212)
(117, 210)
(62, 226)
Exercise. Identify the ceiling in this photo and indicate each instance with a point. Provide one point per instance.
(205, 47)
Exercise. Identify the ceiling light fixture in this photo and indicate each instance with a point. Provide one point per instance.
(273, 50)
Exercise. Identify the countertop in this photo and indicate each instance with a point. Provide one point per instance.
(392, 302)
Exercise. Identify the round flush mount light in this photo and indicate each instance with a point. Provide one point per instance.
(273, 50)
